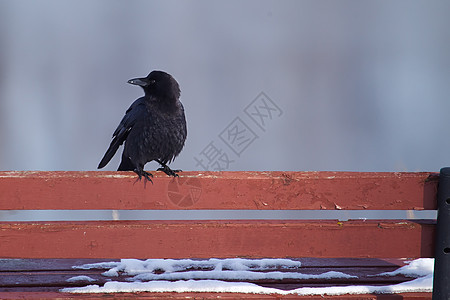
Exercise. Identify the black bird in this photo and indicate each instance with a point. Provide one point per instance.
(153, 128)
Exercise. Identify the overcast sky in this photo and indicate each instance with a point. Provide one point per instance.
(346, 85)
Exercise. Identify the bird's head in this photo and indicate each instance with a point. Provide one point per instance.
(158, 84)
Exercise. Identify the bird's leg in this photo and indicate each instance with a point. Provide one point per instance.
(141, 173)
(165, 168)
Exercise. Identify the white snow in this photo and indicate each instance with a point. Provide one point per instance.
(135, 266)
(81, 278)
(102, 265)
(177, 286)
(236, 275)
(164, 275)
(416, 268)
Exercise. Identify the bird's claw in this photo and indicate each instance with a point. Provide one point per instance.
(169, 171)
(146, 175)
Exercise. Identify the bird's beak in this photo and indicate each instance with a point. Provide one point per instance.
(138, 81)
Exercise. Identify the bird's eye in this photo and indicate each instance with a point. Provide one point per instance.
(152, 81)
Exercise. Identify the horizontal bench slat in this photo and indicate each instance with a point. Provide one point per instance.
(205, 239)
(58, 279)
(55, 264)
(218, 190)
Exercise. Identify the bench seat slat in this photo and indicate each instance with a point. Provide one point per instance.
(57, 279)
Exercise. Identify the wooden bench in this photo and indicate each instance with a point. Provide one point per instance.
(36, 257)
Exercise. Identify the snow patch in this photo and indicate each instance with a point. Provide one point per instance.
(186, 275)
(135, 266)
(416, 268)
(81, 278)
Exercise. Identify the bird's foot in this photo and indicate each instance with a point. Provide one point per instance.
(141, 173)
(169, 171)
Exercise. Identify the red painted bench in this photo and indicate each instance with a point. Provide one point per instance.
(36, 257)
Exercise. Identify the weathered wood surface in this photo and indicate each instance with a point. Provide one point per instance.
(218, 190)
(218, 238)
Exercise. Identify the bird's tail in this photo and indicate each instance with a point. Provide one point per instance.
(109, 153)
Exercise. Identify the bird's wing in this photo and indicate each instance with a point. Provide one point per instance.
(134, 113)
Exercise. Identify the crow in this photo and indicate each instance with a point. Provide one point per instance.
(153, 128)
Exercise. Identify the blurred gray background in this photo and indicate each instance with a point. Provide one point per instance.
(362, 86)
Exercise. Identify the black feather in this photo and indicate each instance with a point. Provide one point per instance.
(153, 128)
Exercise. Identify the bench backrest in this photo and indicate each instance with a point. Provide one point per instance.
(218, 238)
